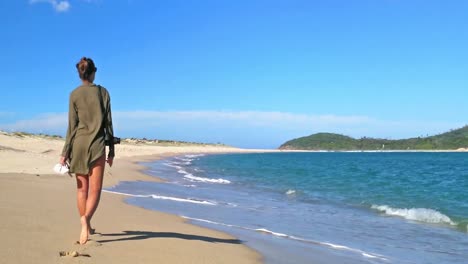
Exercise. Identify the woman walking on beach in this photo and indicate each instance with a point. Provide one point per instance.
(89, 119)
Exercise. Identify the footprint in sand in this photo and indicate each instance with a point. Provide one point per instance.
(72, 254)
(47, 151)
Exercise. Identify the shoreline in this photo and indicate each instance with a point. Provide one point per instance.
(40, 218)
(380, 151)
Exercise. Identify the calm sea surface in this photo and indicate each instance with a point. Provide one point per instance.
(321, 207)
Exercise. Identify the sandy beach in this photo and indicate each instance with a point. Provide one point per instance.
(40, 219)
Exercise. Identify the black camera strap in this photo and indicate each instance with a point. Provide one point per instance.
(102, 107)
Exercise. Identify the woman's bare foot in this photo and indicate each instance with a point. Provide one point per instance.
(84, 230)
(90, 228)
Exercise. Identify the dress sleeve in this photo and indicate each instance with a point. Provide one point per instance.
(109, 126)
(71, 130)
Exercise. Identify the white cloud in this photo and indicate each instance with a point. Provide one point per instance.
(242, 128)
(43, 123)
(59, 6)
(248, 118)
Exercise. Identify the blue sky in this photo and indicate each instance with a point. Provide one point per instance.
(248, 73)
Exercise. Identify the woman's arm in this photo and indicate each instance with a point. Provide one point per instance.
(109, 127)
(71, 131)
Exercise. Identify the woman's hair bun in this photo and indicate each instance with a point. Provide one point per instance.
(85, 68)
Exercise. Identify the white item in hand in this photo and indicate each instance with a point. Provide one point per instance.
(61, 169)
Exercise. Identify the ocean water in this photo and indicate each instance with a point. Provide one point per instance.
(325, 207)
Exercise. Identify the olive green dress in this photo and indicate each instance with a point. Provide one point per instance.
(84, 143)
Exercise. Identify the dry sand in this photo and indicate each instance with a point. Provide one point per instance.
(40, 219)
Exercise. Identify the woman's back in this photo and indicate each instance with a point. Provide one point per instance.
(89, 109)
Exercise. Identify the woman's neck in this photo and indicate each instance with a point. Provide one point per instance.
(86, 82)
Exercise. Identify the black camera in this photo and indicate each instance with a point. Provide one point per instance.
(115, 139)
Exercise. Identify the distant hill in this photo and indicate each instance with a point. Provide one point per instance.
(451, 140)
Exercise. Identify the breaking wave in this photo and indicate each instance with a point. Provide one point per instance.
(416, 214)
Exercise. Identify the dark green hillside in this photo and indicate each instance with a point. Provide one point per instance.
(452, 140)
(321, 141)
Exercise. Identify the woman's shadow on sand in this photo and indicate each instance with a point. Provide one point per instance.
(140, 235)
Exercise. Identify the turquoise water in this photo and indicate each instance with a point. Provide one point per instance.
(437, 181)
(322, 207)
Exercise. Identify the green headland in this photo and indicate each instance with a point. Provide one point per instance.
(452, 140)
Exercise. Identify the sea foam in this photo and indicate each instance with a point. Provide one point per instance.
(193, 178)
(194, 155)
(201, 179)
(173, 165)
(277, 234)
(416, 214)
(160, 197)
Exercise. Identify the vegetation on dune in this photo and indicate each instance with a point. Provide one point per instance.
(451, 140)
(135, 141)
(162, 142)
(26, 134)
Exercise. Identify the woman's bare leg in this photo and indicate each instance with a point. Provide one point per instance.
(95, 186)
(88, 195)
(82, 184)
